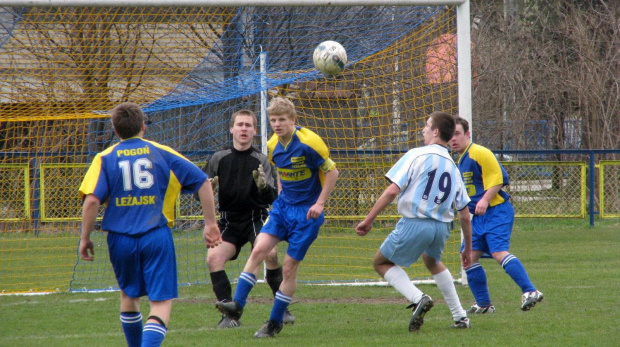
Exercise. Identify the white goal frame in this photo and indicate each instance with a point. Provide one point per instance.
(462, 23)
(464, 60)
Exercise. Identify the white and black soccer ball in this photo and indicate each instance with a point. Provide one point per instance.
(329, 57)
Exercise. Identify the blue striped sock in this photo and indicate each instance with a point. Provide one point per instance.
(132, 327)
(515, 269)
(280, 303)
(153, 335)
(246, 282)
(477, 280)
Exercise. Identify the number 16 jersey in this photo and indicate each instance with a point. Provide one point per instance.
(139, 181)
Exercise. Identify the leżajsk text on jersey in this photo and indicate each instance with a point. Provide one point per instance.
(139, 181)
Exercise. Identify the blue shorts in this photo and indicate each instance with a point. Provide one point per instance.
(288, 223)
(146, 264)
(414, 236)
(491, 231)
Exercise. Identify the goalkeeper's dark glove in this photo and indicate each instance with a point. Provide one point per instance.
(214, 181)
(259, 177)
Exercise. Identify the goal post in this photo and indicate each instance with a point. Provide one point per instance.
(191, 64)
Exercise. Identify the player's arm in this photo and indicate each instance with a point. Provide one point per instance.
(464, 219)
(492, 179)
(483, 203)
(211, 232)
(389, 194)
(328, 185)
(210, 169)
(90, 209)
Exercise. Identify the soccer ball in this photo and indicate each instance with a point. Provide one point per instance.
(329, 57)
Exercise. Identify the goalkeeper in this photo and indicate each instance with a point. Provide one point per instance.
(246, 188)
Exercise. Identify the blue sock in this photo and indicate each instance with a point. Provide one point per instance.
(477, 280)
(280, 303)
(514, 268)
(153, 335)
(245, 284)
(132, 327)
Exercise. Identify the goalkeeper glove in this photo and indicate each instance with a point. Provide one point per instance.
(214, 181)
(259, 177)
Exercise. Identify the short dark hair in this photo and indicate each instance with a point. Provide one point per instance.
(128, 119)
(445, 123)
(463, 122)
(242, 112)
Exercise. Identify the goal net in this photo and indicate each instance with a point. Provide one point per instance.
(64, 68)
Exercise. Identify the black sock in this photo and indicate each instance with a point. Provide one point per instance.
(221, 285)
(274, 279)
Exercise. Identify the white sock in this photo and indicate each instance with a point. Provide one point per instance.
(398, 278)
(446, 285)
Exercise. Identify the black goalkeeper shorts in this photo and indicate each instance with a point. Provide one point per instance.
(240, 228)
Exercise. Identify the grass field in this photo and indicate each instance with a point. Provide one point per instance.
(576, 266)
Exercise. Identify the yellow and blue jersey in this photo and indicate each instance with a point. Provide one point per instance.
(301, 166)
(481, 171)
(139, 181)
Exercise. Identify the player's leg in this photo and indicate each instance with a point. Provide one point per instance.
(442, 276)
(264, 243)
(515, 269)
(477, 282)
(500, 229)
(125, 262)
(247, 279)
(443, 279)
(156, 324)
(131, 320)
(231, 227)
(216, 261)
(274, 269)
(282, 300)
(274, 280)
(300, 233)
(396, 277)
(403, 247)
(159, 271)
(476, 276)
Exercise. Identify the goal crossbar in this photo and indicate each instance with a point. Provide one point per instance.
(227, 3)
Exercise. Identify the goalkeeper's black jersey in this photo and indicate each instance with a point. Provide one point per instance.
(237, 190)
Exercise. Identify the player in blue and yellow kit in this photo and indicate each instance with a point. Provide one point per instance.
(139, 182)
(493, 218)
(306, 178)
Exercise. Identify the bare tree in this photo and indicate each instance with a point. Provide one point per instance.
(548, 73)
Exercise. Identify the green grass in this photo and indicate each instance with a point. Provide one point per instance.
(575, 265)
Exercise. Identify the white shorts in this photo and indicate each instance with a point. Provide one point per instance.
(414, 236)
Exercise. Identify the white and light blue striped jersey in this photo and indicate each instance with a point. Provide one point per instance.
(430, 184)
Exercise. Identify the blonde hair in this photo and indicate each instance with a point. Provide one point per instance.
(280, 105)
